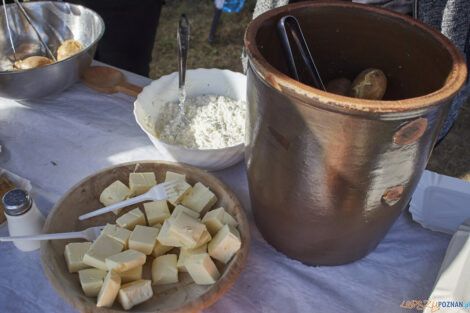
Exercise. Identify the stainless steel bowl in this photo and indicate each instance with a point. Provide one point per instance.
(56, 22)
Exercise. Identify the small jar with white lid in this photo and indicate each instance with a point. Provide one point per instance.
(24, 218)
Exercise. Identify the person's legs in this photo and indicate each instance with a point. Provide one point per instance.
(130, 29)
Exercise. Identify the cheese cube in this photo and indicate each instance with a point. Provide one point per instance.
(109, 290)
(165, 238)
(125, 261)
(182, 189)
(103, 247)
(114, 193)
(160, 249)
(185, 253)
(91, 280)
(74, 253)
(187, 230)
(140, 183)
(225, 243)
(181, 208)
(216, 219)
(158, 226)
(117, 233)
(199, 199)
(169, 175)
(202, 269)
(205, 238)
(134, 293)
(164, 270)
(156, 211)
(131, 218)
(143, 239)
(131, 275)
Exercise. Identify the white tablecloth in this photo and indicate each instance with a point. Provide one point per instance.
(57, 141)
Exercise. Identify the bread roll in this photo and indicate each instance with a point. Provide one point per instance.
(31, 62)
(68, 48)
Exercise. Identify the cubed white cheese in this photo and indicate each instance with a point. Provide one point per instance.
(135, 293)
(225, 244)
(74, 253)
(169, 175)
(160, 249)
(185, 253)
(114, 193)
(143, 239)
(156, 211)
(187, 230)
(182, 189)
(216, 219)
(109, 290)
(140, 183)
(205, 238)
(202, 269)
(131, 218)
(131, 275)
(125, 260)
(117, 233)
(91, 280)
(164, 270)
(181, 208)
(165, 238)
(158, 226)
(103, 247)
(199, 199)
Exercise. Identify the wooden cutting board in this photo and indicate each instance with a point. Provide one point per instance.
(5, 186)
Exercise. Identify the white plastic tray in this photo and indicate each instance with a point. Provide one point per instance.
(441, 203)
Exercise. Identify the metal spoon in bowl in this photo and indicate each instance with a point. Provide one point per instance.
(183, 46)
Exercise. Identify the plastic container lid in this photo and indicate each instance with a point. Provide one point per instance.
(16, 202)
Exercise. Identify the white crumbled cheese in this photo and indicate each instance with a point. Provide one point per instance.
(214, 122)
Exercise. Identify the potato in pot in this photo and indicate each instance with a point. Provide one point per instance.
(370, 84)
(339, 86)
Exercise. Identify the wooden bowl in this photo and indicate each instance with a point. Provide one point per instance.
(184, 296)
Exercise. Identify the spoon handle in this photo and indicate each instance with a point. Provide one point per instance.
(183, 46)
(129, 89)
(71, 235)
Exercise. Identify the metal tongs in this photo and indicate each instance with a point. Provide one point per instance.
(28, 19)
(290, 23)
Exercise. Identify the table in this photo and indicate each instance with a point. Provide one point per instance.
(56, 141)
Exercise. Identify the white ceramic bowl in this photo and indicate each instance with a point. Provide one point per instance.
(198, 82)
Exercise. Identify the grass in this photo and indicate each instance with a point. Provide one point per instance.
(451, 157)
(224, 52)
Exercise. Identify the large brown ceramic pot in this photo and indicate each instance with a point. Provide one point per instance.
(329, 174)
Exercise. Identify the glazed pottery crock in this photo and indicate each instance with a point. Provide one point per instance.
(329, 174)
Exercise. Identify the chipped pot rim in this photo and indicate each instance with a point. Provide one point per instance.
(282, 82)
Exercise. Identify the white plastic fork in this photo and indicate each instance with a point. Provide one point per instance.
(159, 192)
(89, 234)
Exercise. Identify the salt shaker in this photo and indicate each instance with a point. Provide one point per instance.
(23, 218)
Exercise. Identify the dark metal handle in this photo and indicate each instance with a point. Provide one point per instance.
(183, 46)
(215, 22)
(35, 30)
(290, 23)
(12, 45)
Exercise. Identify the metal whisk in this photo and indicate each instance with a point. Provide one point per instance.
(28, 19)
